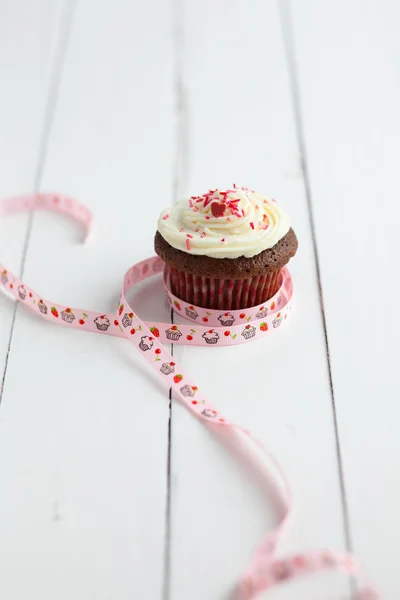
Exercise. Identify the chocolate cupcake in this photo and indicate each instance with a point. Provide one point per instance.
(225, 249)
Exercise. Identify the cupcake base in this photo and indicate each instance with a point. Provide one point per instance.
(223, 294)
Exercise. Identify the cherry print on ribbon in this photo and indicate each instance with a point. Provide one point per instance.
(265, 570)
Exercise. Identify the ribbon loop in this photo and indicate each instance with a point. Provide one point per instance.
(207, 328)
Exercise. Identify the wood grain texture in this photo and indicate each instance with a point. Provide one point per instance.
(348, 70)
(25, 75)
(105, 492)
(241, 128)
(83, 450)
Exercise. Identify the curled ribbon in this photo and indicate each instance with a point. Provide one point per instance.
(207, 328)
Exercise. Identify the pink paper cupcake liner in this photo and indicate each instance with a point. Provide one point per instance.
(223, 294)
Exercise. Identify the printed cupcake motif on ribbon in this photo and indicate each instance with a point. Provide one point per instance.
(191, 312)
(262, 312)
(67, 315)
(167, 368)
(173, 333)
(42, 307)
(102, 323)
(249, 332)
(278, 320)
(188, 391)
(211, 336)
(22, 292)
(127, 319)
(226, 319)
(146, 343)
(4, 277)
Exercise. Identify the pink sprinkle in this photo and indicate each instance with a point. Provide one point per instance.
(165, 217)
(257, 207)
(188, 235)
(207, 202)
(252, 225)
(273, 200)
(191, 203)
(243, 213)
(193, 197)
(207, 217)
(203, 234)
(229, 219)
(197, 229)
(188, 245)
(195, 209)
(223, 239)
(181, 229)
(263, 226)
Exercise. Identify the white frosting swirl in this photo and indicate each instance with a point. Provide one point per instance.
(224, 224)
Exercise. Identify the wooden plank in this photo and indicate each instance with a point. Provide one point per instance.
(240, 127)
(83, 450)
(348, 56)
(24, 83)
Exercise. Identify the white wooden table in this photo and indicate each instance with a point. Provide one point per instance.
(105, 492)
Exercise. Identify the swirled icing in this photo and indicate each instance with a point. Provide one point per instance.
(224, 224)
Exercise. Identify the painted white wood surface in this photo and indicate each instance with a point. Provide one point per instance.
(137, 104)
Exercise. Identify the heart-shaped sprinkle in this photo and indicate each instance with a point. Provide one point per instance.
(218, 209)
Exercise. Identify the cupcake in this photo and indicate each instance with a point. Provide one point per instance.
(249, 332)
(127, 319)
(22, 292)
(146, 343)
(42, 307)
(4, 278)
(188, 391)
(67, 315)
(173, 333)
(211, 336)
(167, 368)
(226, 319)
(191, 312)
(102, 323)
(225, 249)
(262, 312)
(278, 320)
(211, 414)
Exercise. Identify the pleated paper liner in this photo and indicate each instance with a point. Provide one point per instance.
(223, 294)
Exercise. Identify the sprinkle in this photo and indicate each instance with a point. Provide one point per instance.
(203, 234)
(188, 235)
(207, 217)
(257, 207)
(207, 202)
(243, 213)
(197, 229)
(195, 209)
(229, 219)
(235, 186)
(181, 229)
(188, 245)
(223, 239)
(263, 226)
(273, 200)
(193, 197)
(165, 217)
(252, 225)
(191, 203)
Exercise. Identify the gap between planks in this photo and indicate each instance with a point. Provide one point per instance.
(57, 65)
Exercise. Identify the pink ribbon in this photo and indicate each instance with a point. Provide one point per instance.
(206, 328)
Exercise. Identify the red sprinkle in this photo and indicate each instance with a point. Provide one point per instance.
(223, 239)
(197, 229)
(252, 225)
(188, 245)
(165, 217)
(188, 235)
(203, 234)
(207, 217)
